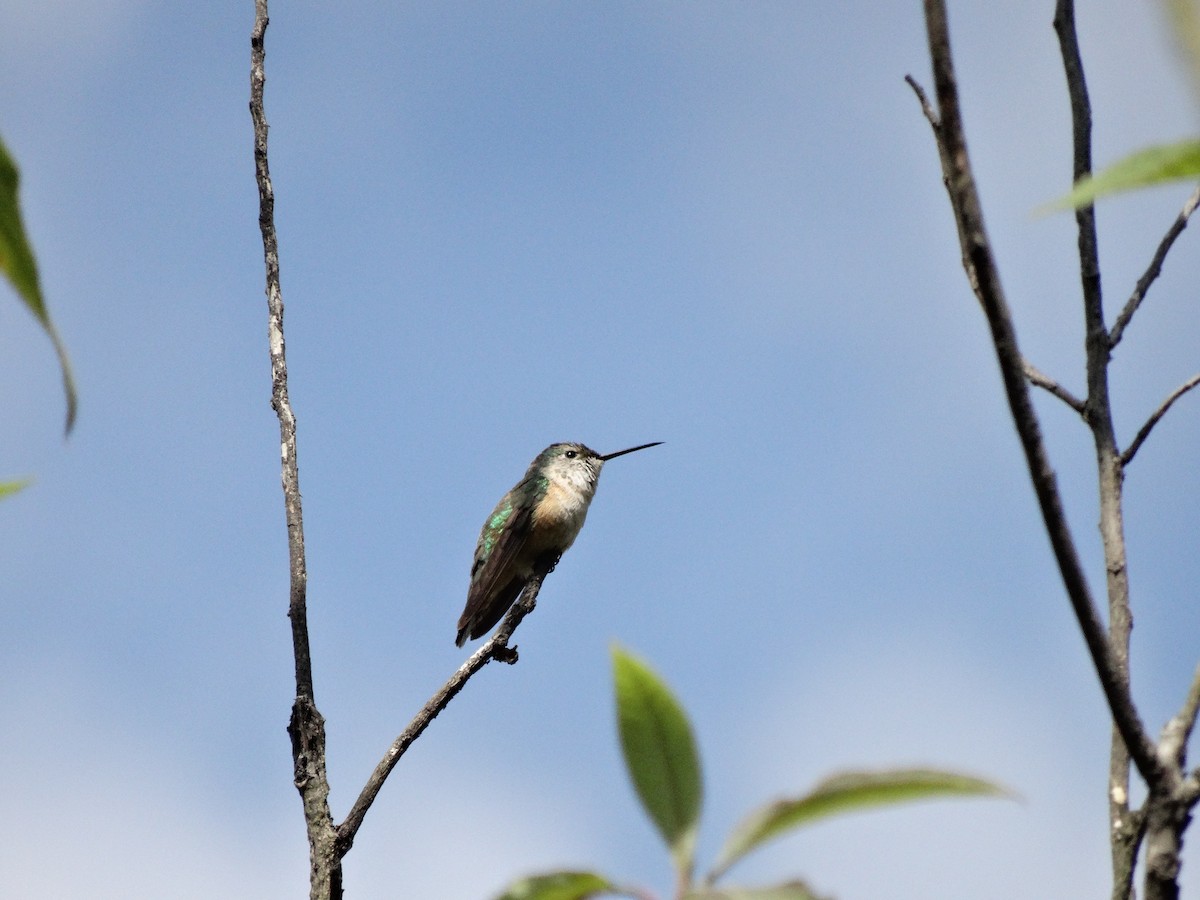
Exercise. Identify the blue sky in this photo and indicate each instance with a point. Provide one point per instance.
(716, 225)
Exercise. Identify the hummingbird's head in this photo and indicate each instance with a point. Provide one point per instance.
(574, 464)
(577, 464)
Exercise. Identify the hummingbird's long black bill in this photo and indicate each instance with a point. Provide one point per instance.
(630, 450)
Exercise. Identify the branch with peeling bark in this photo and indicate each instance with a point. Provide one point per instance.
(328, 843)
(306, 726)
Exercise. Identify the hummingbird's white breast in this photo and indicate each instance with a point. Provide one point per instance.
(560, 514)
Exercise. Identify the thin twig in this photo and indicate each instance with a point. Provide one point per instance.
(1191, 708)
(935, 123)
(927, 109)
(496, 648)
(1035, 375)
(1173, 744)
(306, 727)
(1038, 378)
(969, 216)
(1145, 430)
(1154, 269)
(1081, 128)
(1168, 808)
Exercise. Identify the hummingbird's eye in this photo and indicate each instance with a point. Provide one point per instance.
(570, 454)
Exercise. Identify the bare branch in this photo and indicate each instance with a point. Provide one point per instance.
(1096, 338)
(1145, 430)
(1126, 831)
(306, 727)
(1187, 715)
(935, 123)
(1126, 836)
(1172, 746)
(964, 200)
(1189, 791)
(1154, 269)
(1167, 810)
(279, 383)
(1038, 378)
(1166, 819)
(1032, 372)
(926, 107)
(496, 648)
(1081, 127)
(327, 843)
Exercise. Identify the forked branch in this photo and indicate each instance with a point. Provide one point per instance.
(1159, 825)
(328, 844)
(977, 254)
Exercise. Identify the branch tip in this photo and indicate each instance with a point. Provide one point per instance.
(1153, 270)
(1144, 431)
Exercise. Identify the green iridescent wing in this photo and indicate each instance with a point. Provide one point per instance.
(495, 583)
(504, 535)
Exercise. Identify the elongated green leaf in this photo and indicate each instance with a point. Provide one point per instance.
(1154, 165)
(660, 753)
(18, 264)
(792, 890)
(8, 488)
(843, 793)
(560, 886)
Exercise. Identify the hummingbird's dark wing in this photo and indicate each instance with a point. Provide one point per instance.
(496, 579)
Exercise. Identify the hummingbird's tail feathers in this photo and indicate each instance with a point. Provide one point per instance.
(484, 611)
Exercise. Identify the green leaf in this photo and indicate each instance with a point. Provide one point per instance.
(16, 256)
(660, 753)
(792, 890)
(8, 488)
(18, 264)
(1154, 165)
(559, 886)
(843, 793)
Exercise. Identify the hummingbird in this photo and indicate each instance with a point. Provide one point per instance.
(530, 528)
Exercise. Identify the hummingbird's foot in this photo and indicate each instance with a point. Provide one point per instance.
(505, 654)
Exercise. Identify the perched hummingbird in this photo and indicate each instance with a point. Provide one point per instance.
(530, 528)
